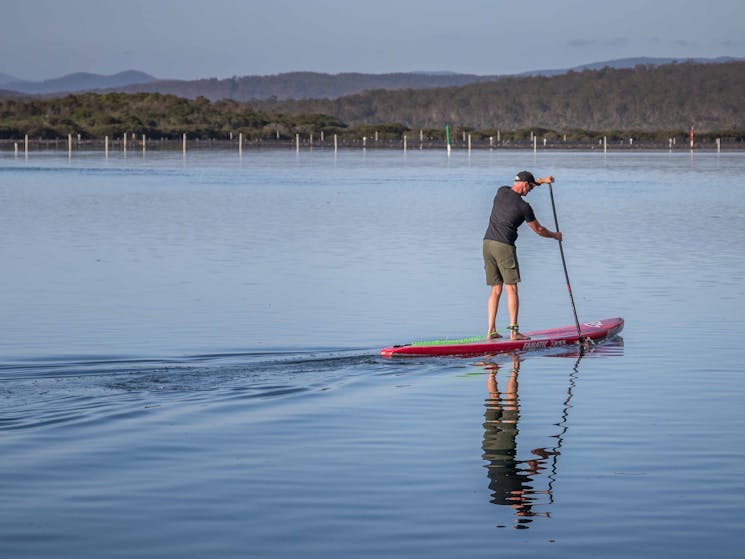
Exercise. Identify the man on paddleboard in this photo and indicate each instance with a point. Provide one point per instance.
(509, 211)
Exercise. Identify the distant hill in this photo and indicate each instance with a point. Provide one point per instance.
(8, 94)
(77, 82)
(313, 85)
(7, 78)
(294, 85)
(303, 85)
(630, 63)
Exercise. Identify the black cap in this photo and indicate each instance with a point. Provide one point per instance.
(525, 176)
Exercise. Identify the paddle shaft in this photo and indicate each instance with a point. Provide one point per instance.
(564, 263)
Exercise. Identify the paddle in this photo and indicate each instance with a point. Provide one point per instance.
(564, 263)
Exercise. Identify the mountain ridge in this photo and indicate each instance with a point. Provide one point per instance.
(295, 85)
(620, 63)
(75, 82)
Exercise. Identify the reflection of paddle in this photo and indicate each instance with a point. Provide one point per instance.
(556, 451)
(564, 262)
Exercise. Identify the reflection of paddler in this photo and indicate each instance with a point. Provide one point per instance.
(509, 484)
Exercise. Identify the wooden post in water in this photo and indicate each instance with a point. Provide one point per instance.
(25, 146)
(469, 143)
(605, 144)
(535, 142)
(15, 150)
(321, 136)
(69, 145)
(106, 146)
(719, 145)
(376, 136)
(499, 136)
(364, 142)
(240, 143)
(297, 142)
(144, 145)
(336, 143)
(404, 143)
(183, 144)
(670, 144)
(491, 141)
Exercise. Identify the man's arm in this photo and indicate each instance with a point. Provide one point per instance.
(543, 232)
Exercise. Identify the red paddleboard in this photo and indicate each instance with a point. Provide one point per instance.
(540, 339)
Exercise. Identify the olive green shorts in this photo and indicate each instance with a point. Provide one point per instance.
(500, 263)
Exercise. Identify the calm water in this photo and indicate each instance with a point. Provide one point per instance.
(189, 368)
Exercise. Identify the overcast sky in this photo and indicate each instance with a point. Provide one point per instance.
(187, 39)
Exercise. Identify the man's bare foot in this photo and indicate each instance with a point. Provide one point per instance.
(518, 336)
(493, 335)
(515, 333)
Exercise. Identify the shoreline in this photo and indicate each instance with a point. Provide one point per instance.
(136, 145)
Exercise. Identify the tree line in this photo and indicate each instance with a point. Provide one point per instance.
(648, 103)
(93, 115)
(710, 97)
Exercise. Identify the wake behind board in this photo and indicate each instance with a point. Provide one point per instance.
(540, 339)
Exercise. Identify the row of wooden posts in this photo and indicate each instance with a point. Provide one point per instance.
(466, 139)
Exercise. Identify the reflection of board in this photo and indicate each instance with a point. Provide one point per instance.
(540, 339)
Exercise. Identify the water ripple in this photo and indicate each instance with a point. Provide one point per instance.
(47, 392)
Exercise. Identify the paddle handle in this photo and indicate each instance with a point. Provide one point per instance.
(564, 262)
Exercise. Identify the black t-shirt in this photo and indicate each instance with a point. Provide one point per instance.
(508, 213)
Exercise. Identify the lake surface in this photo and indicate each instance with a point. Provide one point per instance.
(189, 357)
